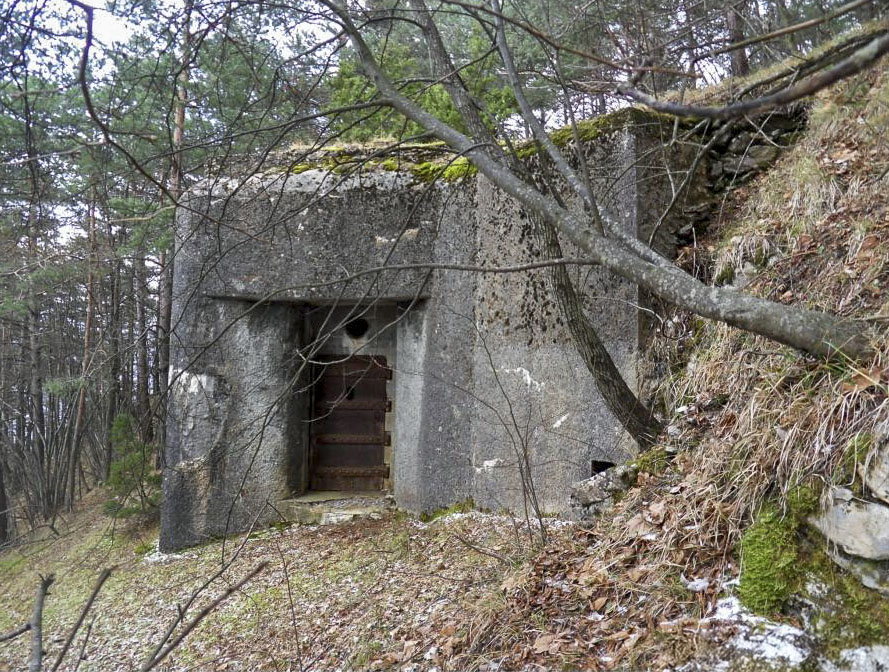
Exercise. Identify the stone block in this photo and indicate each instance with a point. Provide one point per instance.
(858, 527)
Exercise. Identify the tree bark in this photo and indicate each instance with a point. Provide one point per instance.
(143, 405)
(634, 416)
(114, 329)
(4, 505)
(735, 14)
(165, 302)
(35, 663)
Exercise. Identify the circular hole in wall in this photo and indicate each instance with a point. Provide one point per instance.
(357, 328)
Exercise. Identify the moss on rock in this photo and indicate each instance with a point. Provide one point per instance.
(458, 169)
(846, 614)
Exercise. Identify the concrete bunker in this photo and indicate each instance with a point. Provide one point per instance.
(294, 368)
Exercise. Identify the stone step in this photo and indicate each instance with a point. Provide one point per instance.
(331, 508)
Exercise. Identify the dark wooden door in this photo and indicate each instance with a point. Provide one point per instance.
(348, 427)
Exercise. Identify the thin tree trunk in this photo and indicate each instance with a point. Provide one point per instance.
(35, 664)
(165, 302)
(5, 432)
(128, 348)
(143, 406)
(80, 417)
(734, 23)
(35, 372)
(114, 328)
(623, 403)
(4, 505)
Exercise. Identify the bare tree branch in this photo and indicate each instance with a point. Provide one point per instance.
(83, 613)
(154, 660)
(818, 333)
(12, 634)
(35, 663)
(862, 59)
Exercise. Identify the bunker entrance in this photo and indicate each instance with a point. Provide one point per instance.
(348, 437)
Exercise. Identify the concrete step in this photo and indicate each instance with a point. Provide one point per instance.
(330, 508)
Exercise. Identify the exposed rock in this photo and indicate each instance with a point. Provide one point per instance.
(873, 574)
(857, 526)
(596, 495)
(741, 142)
(862, 659)
(744, 642)
(875, 470)
(763, 154)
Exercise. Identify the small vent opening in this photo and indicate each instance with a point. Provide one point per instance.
(357, 328)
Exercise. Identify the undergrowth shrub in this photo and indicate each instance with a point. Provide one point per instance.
(133, 480)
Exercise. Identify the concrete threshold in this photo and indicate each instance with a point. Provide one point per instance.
(331, 507)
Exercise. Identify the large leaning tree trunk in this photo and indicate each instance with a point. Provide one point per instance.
(623, 403)
(815, 332)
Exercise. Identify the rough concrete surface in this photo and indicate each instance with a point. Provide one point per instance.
(488, 395)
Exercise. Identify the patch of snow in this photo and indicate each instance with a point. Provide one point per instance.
(558, 423)
(158, 558)
(488, 466)
(697, 585)
(863, 659)
(762, 639)
(526, 376)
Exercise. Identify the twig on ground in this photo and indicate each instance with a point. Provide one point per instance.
(480, 549)
(86, 638)
(12, 634)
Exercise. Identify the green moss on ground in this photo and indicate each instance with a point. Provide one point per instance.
(654, 461)
(770, 573)
(465, 506)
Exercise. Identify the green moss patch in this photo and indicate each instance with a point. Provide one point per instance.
(653, 461)
(848, 615)
(770, 573)
(458, 169)
(465, 506)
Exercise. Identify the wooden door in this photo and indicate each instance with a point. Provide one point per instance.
(348, 435)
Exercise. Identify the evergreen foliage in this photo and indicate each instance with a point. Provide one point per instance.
(132, 480)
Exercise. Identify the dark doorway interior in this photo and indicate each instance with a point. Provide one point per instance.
(348, 435)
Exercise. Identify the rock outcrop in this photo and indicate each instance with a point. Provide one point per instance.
(593, 496)
(857, 526)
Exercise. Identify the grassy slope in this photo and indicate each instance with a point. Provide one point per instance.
(752, 423)
(338, 596)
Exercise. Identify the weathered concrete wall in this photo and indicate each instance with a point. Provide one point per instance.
(543, 409)
(239, 405)
(228, 403)
(485, 376)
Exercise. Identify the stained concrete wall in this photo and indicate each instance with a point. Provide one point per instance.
(542, 410)
(486, 377)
